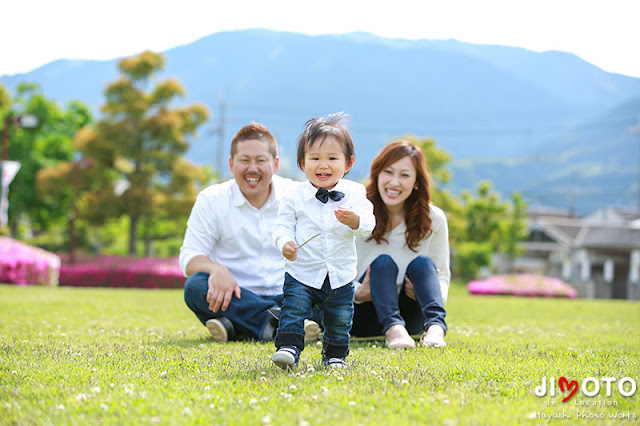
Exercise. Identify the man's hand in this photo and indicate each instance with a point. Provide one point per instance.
(409, 290)
(222, 287)
(363, 293)
(347, 217)
(290, 251)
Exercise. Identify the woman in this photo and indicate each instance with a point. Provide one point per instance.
(404, 264)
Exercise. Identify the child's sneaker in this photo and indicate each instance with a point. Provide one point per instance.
(286, 357)
(334, 362)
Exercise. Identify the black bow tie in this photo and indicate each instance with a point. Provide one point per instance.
(323, 195)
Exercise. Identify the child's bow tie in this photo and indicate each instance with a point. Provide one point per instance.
(323, 195)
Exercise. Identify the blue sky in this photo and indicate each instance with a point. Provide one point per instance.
(35, 32)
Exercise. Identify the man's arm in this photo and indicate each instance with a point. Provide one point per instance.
(222, 286)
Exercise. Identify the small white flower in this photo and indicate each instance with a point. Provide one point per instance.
(164, 373)
(351, 403)
(212, 406)
(340, 378)
(81, 397)
(292, 387)
(446, 401)
(324, 389)
(104, 407)
(266, 420)
(60, 407)
(186, 411)
(253, 401)
(374, 372)
(155, 420)
(95, 389)
(404, 382)
(207, 388)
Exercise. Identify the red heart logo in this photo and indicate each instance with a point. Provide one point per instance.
(562, 382)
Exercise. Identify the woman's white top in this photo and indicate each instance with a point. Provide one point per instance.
(436, 246)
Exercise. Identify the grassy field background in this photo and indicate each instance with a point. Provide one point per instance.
(105, 356)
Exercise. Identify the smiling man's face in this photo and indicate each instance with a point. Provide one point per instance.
(252, 167)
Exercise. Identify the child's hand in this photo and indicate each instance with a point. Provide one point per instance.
(290, 251)
(347, 217)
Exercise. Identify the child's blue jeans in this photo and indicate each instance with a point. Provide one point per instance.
(336, 306)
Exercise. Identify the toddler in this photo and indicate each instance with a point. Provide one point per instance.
(325, 214)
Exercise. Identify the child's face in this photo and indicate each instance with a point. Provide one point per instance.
(325, 163)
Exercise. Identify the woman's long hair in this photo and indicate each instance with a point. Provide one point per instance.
(417, 215)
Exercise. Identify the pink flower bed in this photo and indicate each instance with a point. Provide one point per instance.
(115, 271)
(23, 264)
(523, 285)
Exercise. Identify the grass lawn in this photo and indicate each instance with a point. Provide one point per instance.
(102, 356)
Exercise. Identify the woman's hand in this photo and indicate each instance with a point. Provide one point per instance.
(408, 289)
(363, 293)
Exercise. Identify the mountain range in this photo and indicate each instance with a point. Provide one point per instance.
(550, 125)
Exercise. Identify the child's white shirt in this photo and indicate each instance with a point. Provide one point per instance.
(333, 252)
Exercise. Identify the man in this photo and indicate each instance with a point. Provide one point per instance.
(234, 271)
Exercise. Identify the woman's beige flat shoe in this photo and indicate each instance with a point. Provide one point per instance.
(433, 337)
(398, 338)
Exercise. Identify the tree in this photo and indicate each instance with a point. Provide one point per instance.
(493, 226)
(47, 145)
(139, 142)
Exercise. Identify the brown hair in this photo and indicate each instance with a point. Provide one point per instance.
(318, 129)
(417, 215)
(254, 131)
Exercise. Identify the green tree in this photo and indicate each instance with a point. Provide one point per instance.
(139, 141)
(515, 229)
(493, 226)
(45, 146)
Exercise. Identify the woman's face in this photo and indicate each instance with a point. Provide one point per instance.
(396, 182)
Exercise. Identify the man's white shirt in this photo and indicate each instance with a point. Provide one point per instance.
(225, 227)
(333, 252)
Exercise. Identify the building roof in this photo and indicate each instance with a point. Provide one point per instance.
(608, 228)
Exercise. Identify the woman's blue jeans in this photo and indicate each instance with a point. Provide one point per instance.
(247, 314)
(387, 308)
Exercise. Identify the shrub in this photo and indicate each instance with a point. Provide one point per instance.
(116, 271)
(523, 285)
(21, 263)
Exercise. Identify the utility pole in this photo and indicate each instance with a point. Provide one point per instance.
(219, 131)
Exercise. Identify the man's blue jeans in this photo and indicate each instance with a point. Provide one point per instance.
(387, 308)
(336, 306)
(248, 314)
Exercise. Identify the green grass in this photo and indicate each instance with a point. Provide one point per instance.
(101, 356)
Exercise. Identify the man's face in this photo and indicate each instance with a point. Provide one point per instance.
(252, 167)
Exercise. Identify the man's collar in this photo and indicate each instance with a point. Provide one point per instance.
(239, 198)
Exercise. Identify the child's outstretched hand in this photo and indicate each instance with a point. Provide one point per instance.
(347, 217)
(290, 251)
